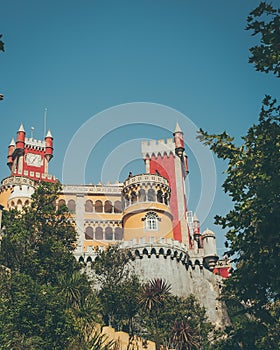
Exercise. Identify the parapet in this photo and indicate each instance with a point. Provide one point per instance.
(158, 148)
(35, 144)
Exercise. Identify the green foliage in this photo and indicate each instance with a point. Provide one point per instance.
(181, 324)
(46, 302)
(152, 299)
(265, 21)
(118, 289)
(253, 224)
(154, 294)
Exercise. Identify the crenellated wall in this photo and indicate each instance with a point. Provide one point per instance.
(168, 259)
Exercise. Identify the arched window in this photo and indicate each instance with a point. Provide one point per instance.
(99, 234)
(118, 207)
(98, 207)
(142, 195)
(19, 204)
(166, 198)
(159, 196)
(108, 208)
(26, 203)
(89, 233)
(151, 195)
(108, 233)
(89, 206)
(126, 200)
(61, 202)
(133, 197)
(151, 221)
(118, 233)
(71, 206)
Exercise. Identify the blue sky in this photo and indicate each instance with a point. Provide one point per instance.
(78, 58)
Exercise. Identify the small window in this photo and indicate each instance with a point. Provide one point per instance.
(108, 208)
(108, 233)
(159, 196)
(151, 222)
(151, 195)
(142, 195)
(99, 233)
(89, 233)
(89, 206)
(118, 234)
(71, 206)
(133, 197)
(118, 207)
(98, 207)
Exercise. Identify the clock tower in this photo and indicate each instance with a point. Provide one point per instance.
(28, 160)
(29, 157)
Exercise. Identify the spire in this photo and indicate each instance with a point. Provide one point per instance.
(49, 133)
(12, 143)
(177, 128)
(21, 128)
(179, 141)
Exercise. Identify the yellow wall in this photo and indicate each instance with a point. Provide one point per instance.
(122, 340)
(134, 225)
(4, 196)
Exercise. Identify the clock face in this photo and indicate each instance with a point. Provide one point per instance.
(33, 159)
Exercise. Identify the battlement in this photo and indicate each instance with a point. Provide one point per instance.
(144, 246)
(35, 144)
(144, 178)
(11, 181)
(158, 147)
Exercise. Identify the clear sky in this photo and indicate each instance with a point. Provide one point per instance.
(79, 58)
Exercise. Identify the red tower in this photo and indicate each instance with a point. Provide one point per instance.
(29, 157)
(169, 160)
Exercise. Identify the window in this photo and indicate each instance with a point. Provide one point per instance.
(159, 196)
(142, 195)
(108, 233)
(118, 207)
(133, 197)
(99, 233)
(108, 208)
(71, 206)
(89, 206)
(118, 234)
(151, 221)
(151, 195)
(89, 233)
(98, 207)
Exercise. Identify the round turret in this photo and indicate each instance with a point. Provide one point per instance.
(11, 149)
(20, 138)
(49, 146)
(146, 207)
(20, 196)
(210, 252)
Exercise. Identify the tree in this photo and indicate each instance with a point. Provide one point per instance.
(153, 296)
(265, 21)
(43, 292)
(253, 224)
(118, 288)
(181, 323)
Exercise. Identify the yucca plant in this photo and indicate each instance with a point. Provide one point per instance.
(153, 296)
